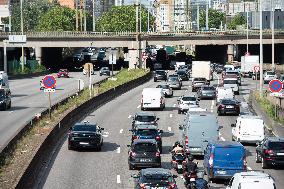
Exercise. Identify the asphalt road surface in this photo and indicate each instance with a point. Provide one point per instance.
(28, 100)
(109, 168)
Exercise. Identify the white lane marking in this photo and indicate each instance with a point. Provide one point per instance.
(169, 128)
(138, 106)
(171, 115)
(118, 181)
(118, 150)
(249, 168)
(105, 134)
(129, 116)
(213, 102)
(212, 111)
(223, 139)
(120, 131)
(174, 105)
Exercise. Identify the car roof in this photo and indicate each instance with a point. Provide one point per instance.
(145, 114)
(189, 96)
(226, 143)
(144, 141)
(250, 174)
(142, 126)
(85, 123)
(150, 171)
(276, 139)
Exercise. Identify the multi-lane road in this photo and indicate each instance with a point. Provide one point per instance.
(28, 100)
(109, 168)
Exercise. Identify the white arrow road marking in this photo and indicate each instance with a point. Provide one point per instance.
(212, 111)
(120, 131)
(138, 106)
(118, 150)
(169, 128)
(129, 116)
(118, 181)
(223, 139)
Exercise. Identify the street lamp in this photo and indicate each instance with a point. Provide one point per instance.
(94, 21)
(260, 50)
(272, 31)
(247, 33)
(22, 29)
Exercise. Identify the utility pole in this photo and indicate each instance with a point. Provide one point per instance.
(22, 29)
(260, 50)
(247, 33)
(76, 9)
(137, 34)
(94, 20)
(197, 17)
(207, 28)
(272, 31)
(85, 17)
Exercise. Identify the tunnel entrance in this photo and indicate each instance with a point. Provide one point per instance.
(213, 53)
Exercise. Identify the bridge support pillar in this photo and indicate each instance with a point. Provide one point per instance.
(38, 54)
(230, 53)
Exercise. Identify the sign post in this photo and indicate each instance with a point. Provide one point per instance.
(49, 83)
(256, 70)
(275, 85)
(89, 67)
(112, 59)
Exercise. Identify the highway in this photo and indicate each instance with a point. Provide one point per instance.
(28, 100)
(109, 168)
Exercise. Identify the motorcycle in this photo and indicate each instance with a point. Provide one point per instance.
(192, 181)
(178, 162)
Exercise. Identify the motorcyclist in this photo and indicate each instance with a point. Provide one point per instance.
(189, 169)
(201, 183)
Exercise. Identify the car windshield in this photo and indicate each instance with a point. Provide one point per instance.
(189, 98)
(163, 86)
(173, 79)
(104, 68)
(147, 132)
(270, 73)
(227, 101)
(145, 118)
(160, 72)
(208, 88)
(91, 128)
(276, 145)
(228, 154)
(157, 178)
(226, 81)
(199, 79)
(145, 147)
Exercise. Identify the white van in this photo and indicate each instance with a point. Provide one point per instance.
(248, 129)
(224, 93)
(231, 82)
(152, 98)
(4, 82)
(251, 179)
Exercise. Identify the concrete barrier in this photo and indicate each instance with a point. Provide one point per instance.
(37, 166)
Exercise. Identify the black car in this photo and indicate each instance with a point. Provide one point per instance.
(144, 118)
(155, 178)
(270, 152)
(144, 153)
(228, 106)
(183, 75)
(206, 92)
(5, 99)
(148, 132)
(104, 71)
(160, 75)
(85, 135)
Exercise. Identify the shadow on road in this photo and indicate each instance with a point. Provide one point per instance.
(18, 95)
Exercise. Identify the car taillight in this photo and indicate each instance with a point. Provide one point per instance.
(270, 152)
(211, 160)
(161, 100)
(142, 99)
(245, 163)
(142, 186)
(222, 106)
(186, 140)
(158, 138)
(132, 154)
(158, 154)
(135, 137)
(172, 186)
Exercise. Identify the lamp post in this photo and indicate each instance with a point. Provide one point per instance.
(22, 30)
(207, 27)
(272, 31)
(260, 50)
(247, 33)
(94, 21)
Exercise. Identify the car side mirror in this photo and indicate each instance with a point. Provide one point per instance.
(161, 131)
(134, 176)
(102, 128)
(128, 145)
(158, 119)
(233, 125)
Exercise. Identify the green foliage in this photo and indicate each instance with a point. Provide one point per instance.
(32, 12)
(236, 21)
(57, 19)
(214, 18)
(123, 18)
(266, 105)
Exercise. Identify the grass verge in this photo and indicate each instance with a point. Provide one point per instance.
(13, 165)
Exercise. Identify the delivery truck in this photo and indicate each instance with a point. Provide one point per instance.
(202, 69)
(247, 65)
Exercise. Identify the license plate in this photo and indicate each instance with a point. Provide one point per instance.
(192, 179)
(84, 143)
(280, 154)
(221, 172)
(179, 166)
(229, 106)
(194, 149)
(145, 160)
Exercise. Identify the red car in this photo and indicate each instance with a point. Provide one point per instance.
(63, 73)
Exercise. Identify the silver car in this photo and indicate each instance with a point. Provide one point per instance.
(174, 82)
(184, 103)
(167, 90)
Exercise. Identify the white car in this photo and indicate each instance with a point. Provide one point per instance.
(184, 103)
(251, 179)
(231, 83)
(268, 76)
(167, 90)
(222, 93)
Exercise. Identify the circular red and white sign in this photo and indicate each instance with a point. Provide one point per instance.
(256, 68)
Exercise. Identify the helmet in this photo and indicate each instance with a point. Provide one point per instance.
(190, 158)
(177, 143)
(200, 174)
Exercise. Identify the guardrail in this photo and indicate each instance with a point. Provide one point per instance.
(37, 166)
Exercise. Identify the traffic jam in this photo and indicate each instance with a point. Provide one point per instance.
(199, 156)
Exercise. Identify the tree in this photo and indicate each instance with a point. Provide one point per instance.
(57, 19)
(214, 18)
(32, 12)
(237, 21)
(123, 18)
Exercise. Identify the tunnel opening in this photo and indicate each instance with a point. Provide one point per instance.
(213, 53)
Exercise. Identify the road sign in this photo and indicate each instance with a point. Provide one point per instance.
(112, 57)
(49, 81)
(48, 90)
(17, 38)
(275, 85)
(256, 68)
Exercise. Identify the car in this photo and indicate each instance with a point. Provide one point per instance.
(268, 76)
(167, 90)
(185, 101)
(5, 99)
(153, 98)
(251, 179)
(174, 82)
(87, 51)
(183, 74)
(222, 159)
(160, 75)
(224, 93)
(270, 152)
(63, 73)
(147, 132)
(206, 92)
(234, 73)
(85, 135)
(104, 71)
(78, 57)
(197, 83)
(155, 178)
(231, 82)
(142, 118)
(228, 106)
(144, 153)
